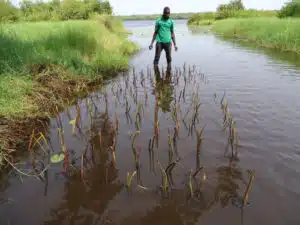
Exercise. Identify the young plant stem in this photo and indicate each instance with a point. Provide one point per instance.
(248, 189)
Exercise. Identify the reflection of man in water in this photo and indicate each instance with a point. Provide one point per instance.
(164, 34)
(163, 89)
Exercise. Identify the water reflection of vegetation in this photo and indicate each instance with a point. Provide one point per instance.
(84, 198)
(226, 191)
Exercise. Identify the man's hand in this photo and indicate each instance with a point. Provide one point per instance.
(150, 47)
(176, 48)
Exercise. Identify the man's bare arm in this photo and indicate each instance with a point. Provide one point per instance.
(153, 38)
(174, 40)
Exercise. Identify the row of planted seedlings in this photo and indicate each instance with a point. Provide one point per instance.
(233, 142)
(126, 90)
(166, 173)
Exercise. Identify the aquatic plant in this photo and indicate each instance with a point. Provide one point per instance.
(164, 178)
(199, 139)
(129, 178)
(249, 186)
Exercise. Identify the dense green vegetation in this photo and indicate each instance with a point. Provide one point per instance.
(75, 37)
(290, 9)
(283, 34)
(52, 10)
(273, 29)
(51, 53)
(202, 18)
(234, 8)
(177, 16)
(87, 48)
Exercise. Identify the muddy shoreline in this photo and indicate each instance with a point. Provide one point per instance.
(53, 92)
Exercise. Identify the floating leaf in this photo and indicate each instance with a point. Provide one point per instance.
(57, 158)
(72, 122)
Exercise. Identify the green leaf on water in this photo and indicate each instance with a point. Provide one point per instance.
(57, 158)
(72, 122)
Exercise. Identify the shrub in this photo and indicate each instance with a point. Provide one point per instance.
(290, 9)
(229, 10)
(8, 13)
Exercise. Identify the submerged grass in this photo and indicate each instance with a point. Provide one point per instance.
(281, 34)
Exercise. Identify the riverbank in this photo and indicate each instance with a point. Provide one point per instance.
(44, 70)
(281, 34)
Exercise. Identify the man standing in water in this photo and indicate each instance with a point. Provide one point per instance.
(164, 35)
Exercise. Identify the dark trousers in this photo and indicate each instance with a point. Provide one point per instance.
(163, 46)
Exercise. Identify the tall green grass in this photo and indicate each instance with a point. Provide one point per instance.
(282, 34)
(88, 48)
(81, 46)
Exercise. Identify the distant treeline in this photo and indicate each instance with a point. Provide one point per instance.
(52, 10)
(177, 16)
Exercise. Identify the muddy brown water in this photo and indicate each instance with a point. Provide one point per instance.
(262, 91)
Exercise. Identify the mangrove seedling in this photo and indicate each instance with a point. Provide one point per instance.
(164, 178)
(199, 139)
(249, 186)
(129, 178)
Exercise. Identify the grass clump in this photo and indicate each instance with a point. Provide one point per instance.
(282, 34)
(13, 98)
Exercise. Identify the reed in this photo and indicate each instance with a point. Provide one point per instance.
(196, 111)
(116, 122)
(129, 178)
(37, 141)
(230, 123)
(135, 153)
(83, 155)
(199, 139)
(164, 178)
(171, 147)
(170, 169)
(100, 138)
(191, 183)
(62, 140)
(249, 186)
(30, 141)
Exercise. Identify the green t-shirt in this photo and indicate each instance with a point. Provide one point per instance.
(163, 29)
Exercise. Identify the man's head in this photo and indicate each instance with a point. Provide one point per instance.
(166, 13)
